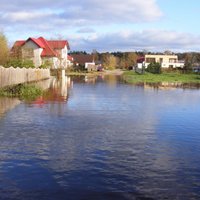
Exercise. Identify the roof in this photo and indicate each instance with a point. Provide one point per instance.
(140, 60)
(58, 44)
(19, 43)
(49, 46)
(82, 58)
(47, 50)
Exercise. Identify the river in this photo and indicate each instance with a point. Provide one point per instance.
(99, 138)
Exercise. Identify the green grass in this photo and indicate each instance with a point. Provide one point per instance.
(172, 77)
(23, 91)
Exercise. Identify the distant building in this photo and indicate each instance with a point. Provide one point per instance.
(41, 50)
(166, 61)
(86, 61)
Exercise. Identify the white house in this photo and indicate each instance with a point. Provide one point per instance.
(166, 61)
(40, 50)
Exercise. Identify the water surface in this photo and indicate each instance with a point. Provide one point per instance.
(98, 138)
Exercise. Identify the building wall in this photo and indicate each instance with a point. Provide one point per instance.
(64, 62)
(91, 66)
(166, 61)
(31, 51)
(61, 61)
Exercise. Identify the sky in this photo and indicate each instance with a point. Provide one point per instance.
(106, 25)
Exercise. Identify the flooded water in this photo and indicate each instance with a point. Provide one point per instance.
(98, 138)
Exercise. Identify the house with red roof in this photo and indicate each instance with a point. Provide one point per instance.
(40, 50)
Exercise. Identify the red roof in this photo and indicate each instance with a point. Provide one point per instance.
(58, 44)
(19, 43)
(36, 41)
(47, 50)
(140, 59)
(48, 46)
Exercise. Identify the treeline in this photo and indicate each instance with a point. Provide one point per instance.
(125, 60)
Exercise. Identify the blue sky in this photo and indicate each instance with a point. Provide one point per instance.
(106, 25)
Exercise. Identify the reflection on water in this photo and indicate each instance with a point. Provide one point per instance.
(7, 104)
(170, 85)
(102, 140)
(58, 90)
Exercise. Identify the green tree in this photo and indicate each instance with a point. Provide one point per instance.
(154, 68)
(4, 52)
(189, 61)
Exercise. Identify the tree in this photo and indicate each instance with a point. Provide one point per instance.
(154, 68)
(189, 61)
(4, 49)
(109, 61)
(131, 59)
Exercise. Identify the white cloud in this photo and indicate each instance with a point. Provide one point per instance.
(77, 21)
(152, 40)
(24, 16)
(82, 12)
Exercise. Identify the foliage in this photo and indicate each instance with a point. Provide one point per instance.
(22, 91)
(189, 62)
(4, 52)
(47, 64)
(28, 64)
(78, 52)
(154, 68)
(15, 62)
(109, 61)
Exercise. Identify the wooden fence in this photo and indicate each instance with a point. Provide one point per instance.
(14, 76)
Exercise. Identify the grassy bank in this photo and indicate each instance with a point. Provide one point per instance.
(94, 73)
(132, 77)
(22, 91)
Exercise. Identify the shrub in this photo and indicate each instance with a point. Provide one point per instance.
(154, 68)
(15, 62)
(23, 91)
(46, 64)
(28, 64)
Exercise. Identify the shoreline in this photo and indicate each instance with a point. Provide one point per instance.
(95, 73)
(172, 77)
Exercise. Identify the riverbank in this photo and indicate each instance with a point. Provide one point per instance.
(22, 91)
(95, 73)
(132, 77)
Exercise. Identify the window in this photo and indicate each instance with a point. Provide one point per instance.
(172, 60)
(150, 60)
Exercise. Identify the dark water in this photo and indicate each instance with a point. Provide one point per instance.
(101, 139)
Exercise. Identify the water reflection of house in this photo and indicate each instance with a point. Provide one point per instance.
(58, 91)
(170, 85)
